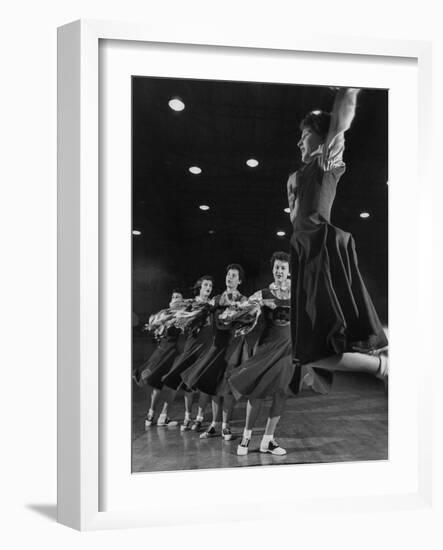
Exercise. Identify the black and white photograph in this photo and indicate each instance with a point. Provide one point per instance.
(259, 274)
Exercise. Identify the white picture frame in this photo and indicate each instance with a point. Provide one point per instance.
(80, 412)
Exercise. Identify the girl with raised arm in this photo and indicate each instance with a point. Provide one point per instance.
(270, 370)
(331, 311)
(209, 374)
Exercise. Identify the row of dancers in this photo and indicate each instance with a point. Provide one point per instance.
(215, 358)
(316, 322)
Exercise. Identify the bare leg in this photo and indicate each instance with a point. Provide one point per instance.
(268, 444)
(202, 402)
(189, 399)
(168, 396)
(216, 418)
(149, 420)
(228, 407)
(354, 362)
(155, 394)
(252, 411)
(216, 410)
(253, 408)
(277, 406)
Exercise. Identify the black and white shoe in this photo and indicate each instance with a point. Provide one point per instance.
(186, 426)
(227, 434)
(196, 426)
(210, 432)
(242, 449)
(164, 421)
(273, 448)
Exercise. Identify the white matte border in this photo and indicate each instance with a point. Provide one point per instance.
(405, 479)
(118, 62)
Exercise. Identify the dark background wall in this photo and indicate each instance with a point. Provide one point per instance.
(224, 124)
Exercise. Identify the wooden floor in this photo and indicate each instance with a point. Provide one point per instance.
(349, 424)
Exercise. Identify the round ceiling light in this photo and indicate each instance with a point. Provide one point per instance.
(176, 104)
(253, 163)
(204, 207)
(195, 170)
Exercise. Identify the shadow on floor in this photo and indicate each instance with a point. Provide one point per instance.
(48, 511)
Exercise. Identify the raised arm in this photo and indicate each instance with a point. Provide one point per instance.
(343, 112)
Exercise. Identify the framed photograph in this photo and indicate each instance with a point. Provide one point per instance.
(221, 206)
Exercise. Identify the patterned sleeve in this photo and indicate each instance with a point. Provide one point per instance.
(332, 153)
(257, 297)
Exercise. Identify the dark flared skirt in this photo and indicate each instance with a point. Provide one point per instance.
(331, 310)
(158, 364)
(210, 372)
(195, 346)
(269, 371)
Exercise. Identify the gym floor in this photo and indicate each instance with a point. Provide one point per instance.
(349, 424)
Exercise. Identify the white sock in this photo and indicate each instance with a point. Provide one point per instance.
(266, 439)
(215, 425)
(199, 418)
(151, 412)
(247, 434)
(162, 417)
(187, 416)
(225, 425)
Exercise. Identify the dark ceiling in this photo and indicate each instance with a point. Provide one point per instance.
(223, 124)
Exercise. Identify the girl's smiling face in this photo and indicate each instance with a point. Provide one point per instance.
(308, 143)
(280, 271)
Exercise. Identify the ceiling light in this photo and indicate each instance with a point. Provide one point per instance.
(204, 207)
(364, 215)
(176, 104)
(252, 163)
(135, 232)
(287, 210)
(211, 231)
(195, 170)
(281, 233)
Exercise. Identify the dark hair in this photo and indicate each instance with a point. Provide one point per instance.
(177, 291)
(319, 121)
(196, 288)
(282, 256)
(241, 271)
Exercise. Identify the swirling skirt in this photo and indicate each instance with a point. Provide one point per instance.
(194, 348)
(158, 364)
(331, 310)
(211, 371)
(268, 372)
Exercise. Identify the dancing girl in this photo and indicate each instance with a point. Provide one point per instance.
(198, 340)
(209, 374)
(334, 324)
(161, 360)
(270, 370)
